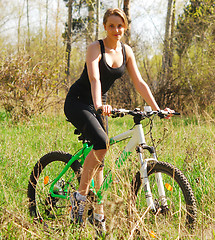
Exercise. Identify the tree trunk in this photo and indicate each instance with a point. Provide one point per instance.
(28, 24)
(46, 24)
(119, 3)
(164, 95)
(168, 43)
(56, 28)
(90, 25)
(126, 9)
(97, 18)
(69, 36)
(19, 24)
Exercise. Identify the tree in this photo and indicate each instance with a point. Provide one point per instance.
(195, 35)
(97, 18)
(168, 42)
(78, 24)
(4, 18)
(126, 9)
(46, 23)
(68, 35)
(91, 22)
(195, 19)
(21, 10)
(28, 24)
(166, 83)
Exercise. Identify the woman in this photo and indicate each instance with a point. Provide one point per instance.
(106, 60)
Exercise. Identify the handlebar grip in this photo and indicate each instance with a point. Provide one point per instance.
(163, 114)
(176, 113)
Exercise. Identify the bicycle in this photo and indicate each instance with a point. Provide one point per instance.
(167, 191)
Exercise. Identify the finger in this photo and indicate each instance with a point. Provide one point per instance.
(109, 109)
(170, 111)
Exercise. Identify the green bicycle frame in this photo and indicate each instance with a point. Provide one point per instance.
(81, 154)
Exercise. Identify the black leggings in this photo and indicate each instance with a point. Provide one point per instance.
(83, 116)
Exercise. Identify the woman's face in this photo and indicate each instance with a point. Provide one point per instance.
(115, 27)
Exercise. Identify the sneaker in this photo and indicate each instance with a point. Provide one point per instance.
(77, 209)
(98, 225)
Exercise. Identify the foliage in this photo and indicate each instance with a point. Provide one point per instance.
(196, 18)
(195, 48)
(33, 79)
(79, 19)
(192, 84)
(123, 94)
(26, 88)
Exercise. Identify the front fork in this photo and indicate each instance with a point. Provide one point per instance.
(145, 180)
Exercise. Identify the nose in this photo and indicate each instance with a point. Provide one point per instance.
(117, 29)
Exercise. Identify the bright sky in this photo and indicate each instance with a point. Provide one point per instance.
(148, 17)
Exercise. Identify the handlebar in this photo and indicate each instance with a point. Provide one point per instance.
(137, 113)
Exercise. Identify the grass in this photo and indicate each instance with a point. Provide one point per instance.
(186, 143)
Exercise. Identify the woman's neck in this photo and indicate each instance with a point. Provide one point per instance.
(112, 45)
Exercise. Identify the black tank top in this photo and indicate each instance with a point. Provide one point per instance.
(81, 89)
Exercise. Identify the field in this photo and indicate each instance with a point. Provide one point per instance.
(187, 143)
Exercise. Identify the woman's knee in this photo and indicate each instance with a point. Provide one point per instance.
(100, 155)
(101, 144)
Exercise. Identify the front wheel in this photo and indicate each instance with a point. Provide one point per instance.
(180, 213)
(43, 207)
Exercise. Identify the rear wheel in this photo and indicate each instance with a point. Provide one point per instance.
(181, 211)
(43, 207)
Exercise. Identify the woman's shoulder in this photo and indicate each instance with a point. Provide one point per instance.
(128, 50)
(94, 45)
(93, 50)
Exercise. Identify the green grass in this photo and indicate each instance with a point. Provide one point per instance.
(187, 144)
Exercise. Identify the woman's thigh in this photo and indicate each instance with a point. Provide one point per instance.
(85, 119)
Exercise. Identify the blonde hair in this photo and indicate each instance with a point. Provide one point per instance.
(115, 12)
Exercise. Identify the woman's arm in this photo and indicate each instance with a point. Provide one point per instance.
(92, 60)
(139, 83)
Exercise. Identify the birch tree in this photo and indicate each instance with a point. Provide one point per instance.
(165, 88)
(46, 23)
(168, 43)
(28, 25)
(97, 18)
(20, 15)
(69, 36)
(126, 9)
(90, 22)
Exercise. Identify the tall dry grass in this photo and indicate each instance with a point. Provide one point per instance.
(187, 143)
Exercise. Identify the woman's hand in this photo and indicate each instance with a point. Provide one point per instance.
(106, 109)
(170, 113)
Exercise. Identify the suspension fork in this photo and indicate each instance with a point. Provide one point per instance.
(145, 180)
